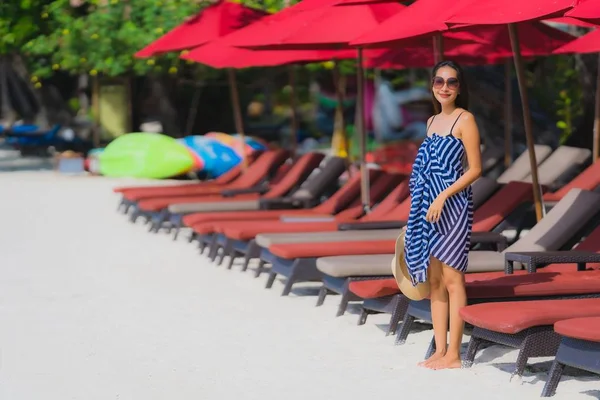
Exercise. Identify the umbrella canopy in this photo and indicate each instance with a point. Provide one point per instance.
(537, 39)
(588, 10)
(571, 21)
(493, 12)
(417, 19)
(589, 43)
(213, 22)
(323, 27)
(220, 55)
(418, 54)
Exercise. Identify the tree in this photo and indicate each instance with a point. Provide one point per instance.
(101, 36)
(20, 21)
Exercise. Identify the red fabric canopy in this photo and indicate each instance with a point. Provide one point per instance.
(537, 39)
(325, 27)
(418, 18)
(571, 21)
(587, 10)
(220, 55)
(589, 43)
(209, 24)
(494, 12)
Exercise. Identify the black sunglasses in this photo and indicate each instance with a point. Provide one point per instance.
(438, 83)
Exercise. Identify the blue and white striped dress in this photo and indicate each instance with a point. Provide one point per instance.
(437, 166)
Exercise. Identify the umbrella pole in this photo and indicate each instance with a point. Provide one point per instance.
(596, 145)
(237, 114)
(294, 114)
(438, 48)
(520, 71)
(507, 114)
(361, 132)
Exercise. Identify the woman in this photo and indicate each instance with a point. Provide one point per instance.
(441, 213)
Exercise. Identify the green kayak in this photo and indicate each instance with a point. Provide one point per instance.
(145, 155)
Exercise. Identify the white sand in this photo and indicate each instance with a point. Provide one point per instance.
(93, 307)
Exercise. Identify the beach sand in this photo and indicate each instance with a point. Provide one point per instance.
(94, 307)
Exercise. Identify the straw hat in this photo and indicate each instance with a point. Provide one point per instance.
(400, 271)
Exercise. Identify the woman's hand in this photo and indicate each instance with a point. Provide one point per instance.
(435, 209)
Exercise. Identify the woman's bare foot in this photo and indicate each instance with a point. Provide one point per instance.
(446, 362)
(434, 357)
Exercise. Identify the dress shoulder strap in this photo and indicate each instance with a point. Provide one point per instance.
(428, 126)
(455, 121)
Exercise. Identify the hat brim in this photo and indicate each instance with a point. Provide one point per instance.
(400, 272)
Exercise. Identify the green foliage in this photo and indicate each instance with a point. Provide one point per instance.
(271, 6)
(100, 37)
(20, 21)
(557, 90)
(569, 105)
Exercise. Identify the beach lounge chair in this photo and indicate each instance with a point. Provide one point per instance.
(383, 295)
(588, 179)
(338, 271)
(244, 235)
(131, 194)
(292, 179)
(297, 261)
(384, 226)
(562, 165)
(223, 179)
(384, 190)
(322, 182)
(579, 348)
(526, 325)
(520, 168)
(203, 224)
(254, 179)
(378, 290)
(563, 225)
(301, 169)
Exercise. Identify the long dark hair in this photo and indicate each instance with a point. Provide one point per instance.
(462, 100)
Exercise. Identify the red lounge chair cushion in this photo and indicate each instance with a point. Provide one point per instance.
(587, 179)
(515, 316)
(204, 228)
(372, 289)
(182, 190)
(292, 251)
(268, 215)
(248, 230)
(580, 328)
(529, 285)
(553, 196)
(157, 204)
(504, 285)
(159, 189)
(500, 205)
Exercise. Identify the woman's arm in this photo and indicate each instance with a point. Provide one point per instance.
(469, 134)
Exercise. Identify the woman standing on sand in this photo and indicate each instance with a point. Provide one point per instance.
(439, 226)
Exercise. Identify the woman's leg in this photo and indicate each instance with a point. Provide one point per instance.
(439, 310)
(454, 282)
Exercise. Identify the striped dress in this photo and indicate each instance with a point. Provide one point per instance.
(439, 163)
